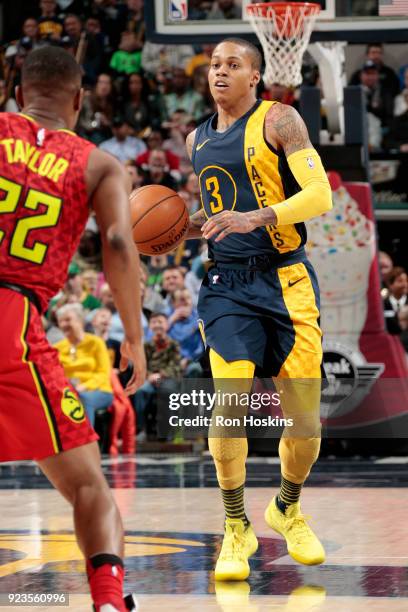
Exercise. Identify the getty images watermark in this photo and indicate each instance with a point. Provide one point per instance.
(205, 401)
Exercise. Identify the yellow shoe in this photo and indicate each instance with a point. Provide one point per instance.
(238, 545)
(306, 598)
(303, 545)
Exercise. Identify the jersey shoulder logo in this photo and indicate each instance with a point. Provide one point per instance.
(200, 146)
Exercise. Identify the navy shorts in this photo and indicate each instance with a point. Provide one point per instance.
(265, 314)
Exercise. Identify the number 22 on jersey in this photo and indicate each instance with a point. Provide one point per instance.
(34, 198)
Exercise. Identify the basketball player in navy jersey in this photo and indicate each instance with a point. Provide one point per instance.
(260, 180)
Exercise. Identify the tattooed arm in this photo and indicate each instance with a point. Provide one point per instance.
(285, 129)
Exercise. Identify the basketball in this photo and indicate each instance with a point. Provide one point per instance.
(160, 219)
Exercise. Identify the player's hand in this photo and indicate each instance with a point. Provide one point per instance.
(134, 352)
(227, 222)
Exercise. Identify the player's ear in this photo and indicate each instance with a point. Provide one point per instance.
(19, 96)
(78, 99)
(256, 77)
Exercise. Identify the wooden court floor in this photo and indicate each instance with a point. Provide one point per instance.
(173, 534)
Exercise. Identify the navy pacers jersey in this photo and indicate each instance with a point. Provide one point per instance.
(238, 170)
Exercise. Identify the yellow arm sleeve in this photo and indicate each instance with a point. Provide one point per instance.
(315, 197)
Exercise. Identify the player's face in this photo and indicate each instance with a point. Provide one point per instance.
(231, 75)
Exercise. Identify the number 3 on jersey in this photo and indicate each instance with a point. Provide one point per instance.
(18, 241)
(218, 190)
(212, 185)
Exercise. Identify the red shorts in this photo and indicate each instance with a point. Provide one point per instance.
(40, 413)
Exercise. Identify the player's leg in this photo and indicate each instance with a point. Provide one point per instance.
(35, 397)
(229, 448)
(77, 475)
(300, 381)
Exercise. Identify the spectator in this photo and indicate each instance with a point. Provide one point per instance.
(112, 16)
(97, 111)
(163, 374)
(49, 25)
(123, 146)
(156, 57)
(380, 102)
(386, 264)
(92, 55)
(151, 299)
(7, 105)
(155, 143)
(85, 360)
(135, 173)
(388, 79)
(202, 87)
(401, 101)
(156, 265)
(200, 59)
(76, 286)
(90, 282)
(403, 323)
(198, 9)
(101, 323)
(225, 9)
(136, 110)
(127, 59)
(183, 328)
(180, 125)
(107, 301)
(182, 97)
(135, 22)
(397, 283)
(173, 278)
(191, 193)
(158, 171)
(30, 29)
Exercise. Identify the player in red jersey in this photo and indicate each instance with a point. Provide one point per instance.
(49, 178)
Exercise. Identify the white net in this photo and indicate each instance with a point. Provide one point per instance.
(284, 31)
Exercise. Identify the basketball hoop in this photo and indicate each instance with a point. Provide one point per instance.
(284, 30)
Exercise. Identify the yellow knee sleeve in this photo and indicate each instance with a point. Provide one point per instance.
(297, 457)
(229, 456)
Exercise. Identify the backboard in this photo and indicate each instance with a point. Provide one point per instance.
(355, 21)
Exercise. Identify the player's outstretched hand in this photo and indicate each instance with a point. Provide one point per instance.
(134, 352)
(227, 222)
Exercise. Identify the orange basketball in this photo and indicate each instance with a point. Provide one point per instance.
(160, 219)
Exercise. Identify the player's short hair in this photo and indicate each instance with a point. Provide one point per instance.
(51, 67)
(256, 55)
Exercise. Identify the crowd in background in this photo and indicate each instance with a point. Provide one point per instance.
(141, 100)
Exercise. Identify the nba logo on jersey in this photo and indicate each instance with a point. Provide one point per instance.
(177, 10)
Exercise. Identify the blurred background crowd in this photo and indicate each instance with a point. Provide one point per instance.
(141, 101)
